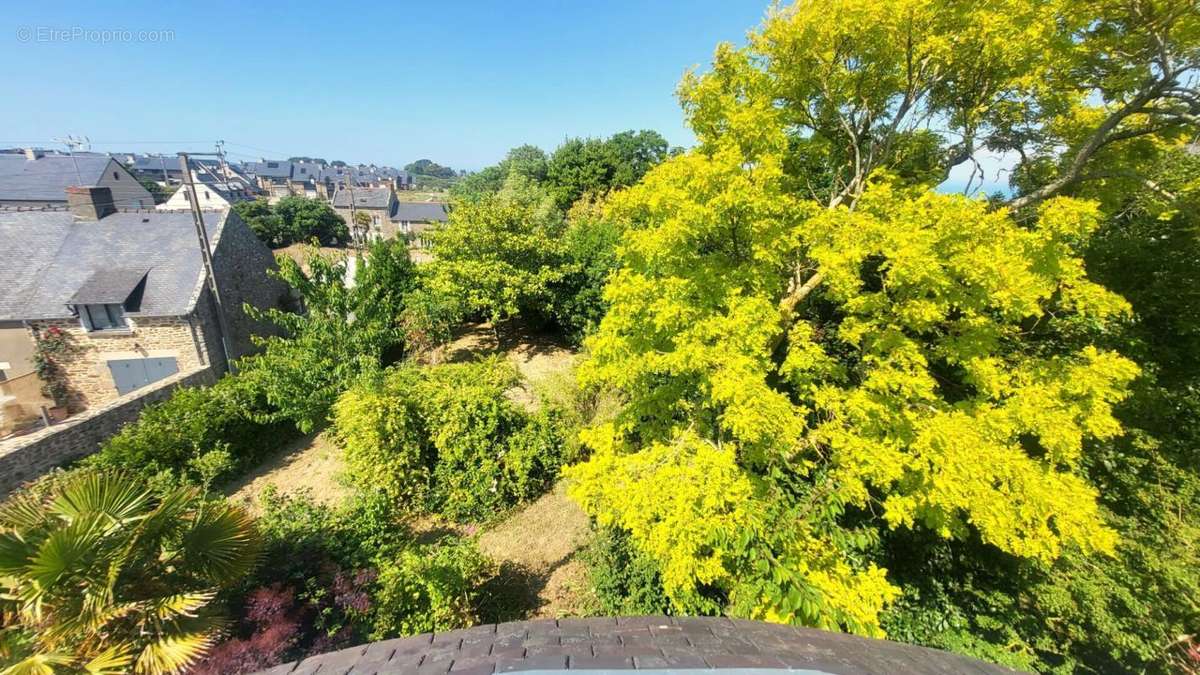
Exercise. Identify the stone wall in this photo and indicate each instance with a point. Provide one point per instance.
(241, 263)
(26, 457)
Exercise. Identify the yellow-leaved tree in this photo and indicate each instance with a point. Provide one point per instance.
(816, 346)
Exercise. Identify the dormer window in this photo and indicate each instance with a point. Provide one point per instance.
(104, 298)
(103, 317)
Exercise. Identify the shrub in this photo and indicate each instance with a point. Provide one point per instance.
(448, 438)
(626, 582)
(427, 588)
(200, 435)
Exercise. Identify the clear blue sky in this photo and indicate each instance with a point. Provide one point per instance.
(459, 83)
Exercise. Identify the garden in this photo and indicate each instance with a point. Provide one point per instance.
(787, 374)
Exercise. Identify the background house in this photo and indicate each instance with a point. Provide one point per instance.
(128, 289)
(411, 220)
(215, 187)
(38, 179)
(377, 202)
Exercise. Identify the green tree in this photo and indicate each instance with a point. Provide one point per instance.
(305, 219)
(428, 167)
(498, 255)
(594, 166)
(264, 221)
(101, 575)
(819, 351)
(342, 332)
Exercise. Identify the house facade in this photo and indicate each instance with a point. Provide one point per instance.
(36, 179)
(377, 202)
(126, 293)
(413, 220)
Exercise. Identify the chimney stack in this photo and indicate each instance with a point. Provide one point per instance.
(90, 202)
(33, 153)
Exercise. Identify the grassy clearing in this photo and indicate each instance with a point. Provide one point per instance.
(312, 462)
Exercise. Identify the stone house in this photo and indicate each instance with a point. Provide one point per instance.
(377, 202)
(412, 220)
(36, 179)
(128, 290)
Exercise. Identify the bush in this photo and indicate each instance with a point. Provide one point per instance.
(200, 436)
(427, 588)
(448, 438)
(626, 582)
(357, 572)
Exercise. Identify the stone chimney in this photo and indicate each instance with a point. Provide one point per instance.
(90, 202)
(33, 153)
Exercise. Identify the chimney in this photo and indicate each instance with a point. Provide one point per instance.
(33, 153)
(90, 202)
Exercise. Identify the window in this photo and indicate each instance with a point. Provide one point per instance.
(205, 196)
(103, 317)
(116, 176)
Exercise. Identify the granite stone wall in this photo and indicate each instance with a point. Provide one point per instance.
(24, 458)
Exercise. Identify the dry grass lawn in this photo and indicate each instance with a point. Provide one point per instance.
(537, 550)
(313, 463)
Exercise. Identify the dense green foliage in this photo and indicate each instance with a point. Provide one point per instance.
(200, 436)
(292, 220)
(428, 167)
(626, 581)
(445, 438)
(342, 332)
(409, 587)
(855, 403)
(577, 168)
(100, 574)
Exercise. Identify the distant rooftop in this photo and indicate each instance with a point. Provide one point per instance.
(420, 212)
(365, 198)
(46, 178)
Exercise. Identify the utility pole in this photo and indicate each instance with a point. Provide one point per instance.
(358, 236)
(206, 255)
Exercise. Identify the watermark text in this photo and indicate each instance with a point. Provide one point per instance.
(101, 36)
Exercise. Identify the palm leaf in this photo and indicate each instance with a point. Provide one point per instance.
(38, 664)
(111, 494)
(64, 551)
(15, 552)
(22, 511)
(176, 606)
(112, 661)
(175, 652)
(221, 544)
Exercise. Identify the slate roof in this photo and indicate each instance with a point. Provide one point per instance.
(46, 178)
(666, 644)
(109, 285)
(49, 257)
(364, 198)
(282, 169)
(420, 212)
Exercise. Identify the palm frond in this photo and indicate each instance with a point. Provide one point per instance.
(221, 543)
(15, 552)
(172, 607)
(65, 550)
(173, 653)
(22, 511)
(106, 493)
(38, 664)
(112, 661)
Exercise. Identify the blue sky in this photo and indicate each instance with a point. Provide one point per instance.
(459, 83)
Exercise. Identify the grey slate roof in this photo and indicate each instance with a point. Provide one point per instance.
(109, 285)
(46, 178)
(49, 257)
(420, 212)
(282, 169)
(364, 198)
(666, 644)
